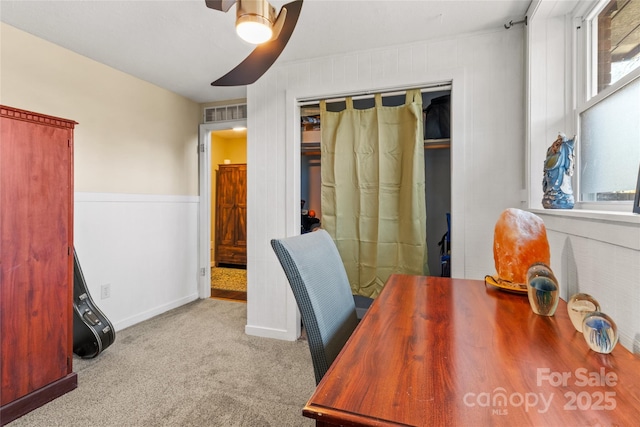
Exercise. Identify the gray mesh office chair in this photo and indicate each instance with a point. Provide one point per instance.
(319, 282)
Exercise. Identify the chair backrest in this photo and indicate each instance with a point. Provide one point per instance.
(319, 282)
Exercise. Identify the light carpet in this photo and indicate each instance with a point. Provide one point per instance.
(192, 366)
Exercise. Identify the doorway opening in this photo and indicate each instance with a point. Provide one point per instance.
(223, 165)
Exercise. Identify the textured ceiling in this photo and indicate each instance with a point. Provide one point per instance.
(182, 45)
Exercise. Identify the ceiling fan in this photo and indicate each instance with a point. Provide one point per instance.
(257, 18)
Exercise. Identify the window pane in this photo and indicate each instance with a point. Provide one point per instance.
(610, 146)
(618, 41)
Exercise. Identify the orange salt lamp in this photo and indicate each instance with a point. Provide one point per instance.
(520, 240)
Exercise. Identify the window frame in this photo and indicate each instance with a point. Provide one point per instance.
(587, 95)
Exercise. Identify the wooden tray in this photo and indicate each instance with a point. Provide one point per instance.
(505, 285)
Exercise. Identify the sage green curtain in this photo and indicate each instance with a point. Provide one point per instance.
(373, 190)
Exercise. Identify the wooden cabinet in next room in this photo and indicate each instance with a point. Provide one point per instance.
(231, 214)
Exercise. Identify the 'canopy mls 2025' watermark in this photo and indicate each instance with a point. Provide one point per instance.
(499, 400)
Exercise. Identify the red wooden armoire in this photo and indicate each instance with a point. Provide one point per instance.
(36, 256)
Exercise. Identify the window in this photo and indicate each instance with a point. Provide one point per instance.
(610, 146)
(609, 117)
(618, 41)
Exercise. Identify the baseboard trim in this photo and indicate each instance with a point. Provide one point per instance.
(140, 317)
(279, 334)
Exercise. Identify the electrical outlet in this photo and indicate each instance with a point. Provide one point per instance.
(105, 291)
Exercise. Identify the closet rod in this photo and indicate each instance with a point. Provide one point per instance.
(360, 95)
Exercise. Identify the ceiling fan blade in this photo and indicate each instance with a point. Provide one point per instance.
(221, 5)
(263, 56)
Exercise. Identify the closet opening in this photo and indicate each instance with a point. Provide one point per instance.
(437, 164)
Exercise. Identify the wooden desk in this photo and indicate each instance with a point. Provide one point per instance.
(435, 351)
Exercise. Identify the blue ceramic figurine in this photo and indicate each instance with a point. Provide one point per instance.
(558, 169)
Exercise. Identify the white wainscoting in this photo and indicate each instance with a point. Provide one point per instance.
(600, 258)
(144, 246)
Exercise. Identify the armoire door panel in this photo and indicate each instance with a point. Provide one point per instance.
(227, 226)
(231, 202)
(241, 186)
(36, 260)
(34, 256)
(241, 227)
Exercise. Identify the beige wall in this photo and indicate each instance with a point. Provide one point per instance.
(132, 137)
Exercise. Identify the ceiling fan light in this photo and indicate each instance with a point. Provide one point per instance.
(254, 29)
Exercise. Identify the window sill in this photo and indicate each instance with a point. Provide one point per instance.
(610, 216)
(616, 228)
